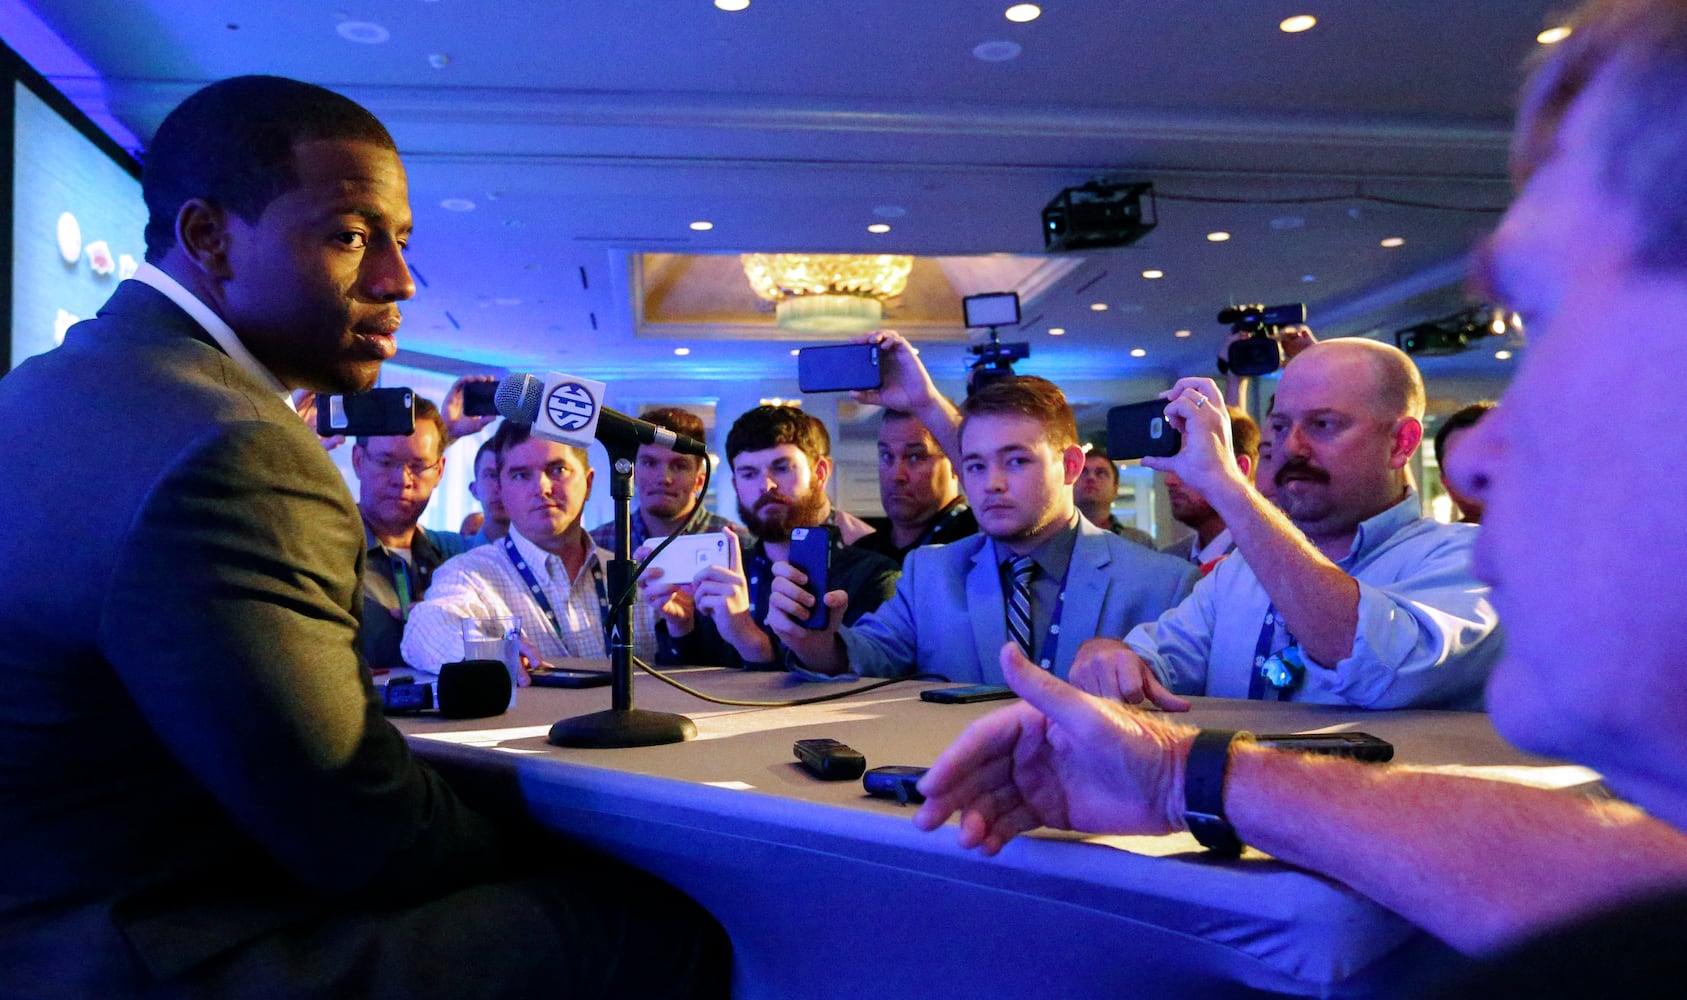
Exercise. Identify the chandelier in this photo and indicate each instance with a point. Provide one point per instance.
(827, 292)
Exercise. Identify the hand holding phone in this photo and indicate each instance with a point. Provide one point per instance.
(376, 413)
(838, 367)
(811, 552)
(1138, 430)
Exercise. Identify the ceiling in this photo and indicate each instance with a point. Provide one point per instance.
(588, 134)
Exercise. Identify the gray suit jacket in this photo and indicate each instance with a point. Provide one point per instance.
(191, 754)
(947, 615)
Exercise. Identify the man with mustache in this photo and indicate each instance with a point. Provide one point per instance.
(1580, 896)
(1348, 594)
(780, 460)
(666, 485)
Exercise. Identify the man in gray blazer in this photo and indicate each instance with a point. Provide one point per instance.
(1037, 573)
(198, 793)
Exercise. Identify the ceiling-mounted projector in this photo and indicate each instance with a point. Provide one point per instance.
(1099, 214)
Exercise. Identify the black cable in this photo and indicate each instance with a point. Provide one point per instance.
(1329, 198)
(834, 696)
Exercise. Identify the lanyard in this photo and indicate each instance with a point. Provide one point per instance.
(1049, 648)
(938, 523)
(1275, 675)
(538, 593)
(401, 583)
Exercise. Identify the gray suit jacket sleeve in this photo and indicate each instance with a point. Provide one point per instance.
(228, 602)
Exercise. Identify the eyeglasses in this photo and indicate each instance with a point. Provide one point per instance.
(418, 470)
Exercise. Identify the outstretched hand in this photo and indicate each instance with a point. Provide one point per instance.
(1061, 759)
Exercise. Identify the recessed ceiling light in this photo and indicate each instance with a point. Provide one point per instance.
(457, 205)
(1183, 333)
(439, 60)
(1057, 331)
(682, 351)
(1099, 307)
(1218, 237)
(702, 227)
(362, 32)
(732, 6)
(996, 51)
(1137, 352)
(1552, 36)
(1152, 274)
(1309, 277)
(1297, 24)
(1019, 13)
(795, 351)
(1502, 355)
(878, 227)
(1394, 241)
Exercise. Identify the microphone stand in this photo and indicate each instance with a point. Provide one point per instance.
(622, 725)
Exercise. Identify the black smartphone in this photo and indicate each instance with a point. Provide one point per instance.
(966, 694)
(557, 678)
(1137, 430)
(895, 781)
(480, 399)
(829, 760)
(376, 413)
(838, 367)
(811, 552)
(1358, 746)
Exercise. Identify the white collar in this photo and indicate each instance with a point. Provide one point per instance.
(214, 325)
(535, 556)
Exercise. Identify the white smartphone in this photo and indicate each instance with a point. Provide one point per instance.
(687, 555)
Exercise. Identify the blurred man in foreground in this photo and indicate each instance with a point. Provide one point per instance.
(1590, 253)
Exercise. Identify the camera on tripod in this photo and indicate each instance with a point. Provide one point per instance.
(995, 359)
(1260, 354)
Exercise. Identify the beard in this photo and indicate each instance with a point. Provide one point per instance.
(798, 512)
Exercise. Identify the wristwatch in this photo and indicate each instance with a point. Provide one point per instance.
(1203, 790)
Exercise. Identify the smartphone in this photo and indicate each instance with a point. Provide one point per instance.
(1137, 430)
(376, 413)
(1358, 746)
(559, 678)
(480, 399)
(811, 552)
(895, 781)
(966, 694)
(687, 555)
(838, 367)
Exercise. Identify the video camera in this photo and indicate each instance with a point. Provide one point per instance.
(995, 359)
(1260, 354)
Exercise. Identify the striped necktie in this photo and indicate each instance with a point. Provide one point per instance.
(1019, 603)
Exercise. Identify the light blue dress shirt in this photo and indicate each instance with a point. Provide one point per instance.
(1427, 636)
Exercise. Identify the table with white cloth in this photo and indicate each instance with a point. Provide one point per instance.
(830, 893)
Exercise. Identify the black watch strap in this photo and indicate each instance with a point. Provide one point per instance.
(1203, 790)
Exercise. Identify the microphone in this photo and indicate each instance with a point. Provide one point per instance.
(569, 409)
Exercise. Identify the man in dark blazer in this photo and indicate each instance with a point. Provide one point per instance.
(198, 792)
(954, 606)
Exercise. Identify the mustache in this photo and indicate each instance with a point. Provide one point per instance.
(771, 497)
(1300, 467)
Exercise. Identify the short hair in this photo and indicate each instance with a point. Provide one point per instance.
(1026, 396)
(1112, 466)
(231, 143)
(1244, 435)
(771, 426)
(680, 421)
(1463, 418)
(1638, 50)
(493, 445)
(426, 413)
(513, 433)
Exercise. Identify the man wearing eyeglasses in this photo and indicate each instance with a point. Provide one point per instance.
(396, 477)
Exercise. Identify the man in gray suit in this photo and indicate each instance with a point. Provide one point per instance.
(198, 793)
(1037, 573)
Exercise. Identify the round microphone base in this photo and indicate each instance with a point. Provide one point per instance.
(634, 727)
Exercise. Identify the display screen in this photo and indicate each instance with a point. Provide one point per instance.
(78, 224)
